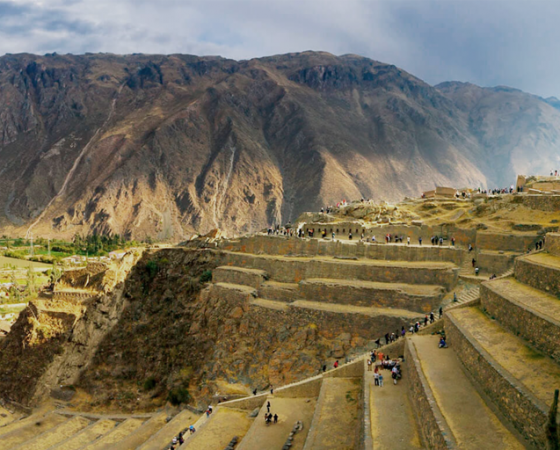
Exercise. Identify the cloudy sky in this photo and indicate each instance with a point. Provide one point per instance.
(492, 42)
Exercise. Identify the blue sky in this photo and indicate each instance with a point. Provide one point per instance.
(492, 42)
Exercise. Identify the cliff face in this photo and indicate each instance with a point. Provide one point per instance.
(168, 145)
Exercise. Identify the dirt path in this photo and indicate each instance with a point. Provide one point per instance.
(273, 436)
(220, 429)
(392, 422)
(473, 424)
(335, 421)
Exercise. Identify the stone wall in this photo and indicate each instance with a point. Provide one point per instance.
(550, 203)
(552, 243)
(280, 291)
(463, 237)
(275, 245)
(543, 278)
(356, 294)
(332, 324)
(433, 427)
(72, 296)
(294, 270)
(504, 241)
(494, 262)
(527, 413)
(236, 275)
(541, 331)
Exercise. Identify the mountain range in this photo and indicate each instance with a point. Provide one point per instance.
(168, 146)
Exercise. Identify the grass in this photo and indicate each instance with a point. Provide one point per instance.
(5, 261)
(9, 310)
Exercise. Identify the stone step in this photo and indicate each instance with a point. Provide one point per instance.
(120, 432)
(86, 436)
(413, 297)
(16, 435)
(273, 436)
(539, 270)
(518, 379)
(54, 436)
(390, 409)
(276, 290)
(270, 304)
(216, 433)
(141, 434)
(239, 275)
(527, 312)
(472, 423)
(294, 269)
(165, 435)
(335, 423)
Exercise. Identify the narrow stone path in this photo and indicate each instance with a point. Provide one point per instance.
(335, 420)
(273, 436)
(473, 424)
(392, 421)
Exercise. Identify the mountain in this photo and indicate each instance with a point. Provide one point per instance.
(166, 146)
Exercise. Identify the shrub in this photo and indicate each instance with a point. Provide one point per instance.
(152, 268)
(178, 395)
(149, 383)
(206, 276)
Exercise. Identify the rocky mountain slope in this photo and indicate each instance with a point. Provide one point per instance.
(165, 146)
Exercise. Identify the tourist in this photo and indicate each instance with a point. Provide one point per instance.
(174, 441)
(408, 240)
(419, 241)
(378, 342)
(271, 390)
(442, 343)
(394, 374)
(180, 438)
(350, 236)
(336, 364)
(376, 377)
(453, 242)
(476, 270)
(473, 262)
(333, 235)
(403, 331)
(324, 367)
(191, 429)
(432, 317)
(380, 356)
(369, 365)
(386, 338)
(441, 311)
(454, 297)
(470, 248)
(275, 418)
(380, 380)
(440, 241)
(255, 391)
(426, 320)
(268, 406)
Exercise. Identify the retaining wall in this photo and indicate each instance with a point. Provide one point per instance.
(293, 270)
(543, 278)
(495, 262)
(552, 243)
(539, 330)
(527, 413)
(433, 427)
(247, 277)
(277, 245)
(356, 294)
(550, 203)
(506, 242)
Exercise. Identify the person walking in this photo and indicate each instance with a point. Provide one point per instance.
(376, 377)
(369, 365)
(275, 418)
(394, 374)
(380, 380)
(419, 241)
(267, 406)
(473, 262)
(440, 312)
(336, 364)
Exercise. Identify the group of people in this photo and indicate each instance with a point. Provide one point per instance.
(414, 328)
(381, 361)
(268, 417)
(180, 439)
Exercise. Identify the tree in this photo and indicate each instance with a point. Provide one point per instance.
(31, 281)
(552, 436)
(56, 273)
(14, 291)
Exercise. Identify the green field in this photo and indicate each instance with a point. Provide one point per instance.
(22, 263)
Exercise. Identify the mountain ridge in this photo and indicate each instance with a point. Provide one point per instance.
(168, 146)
